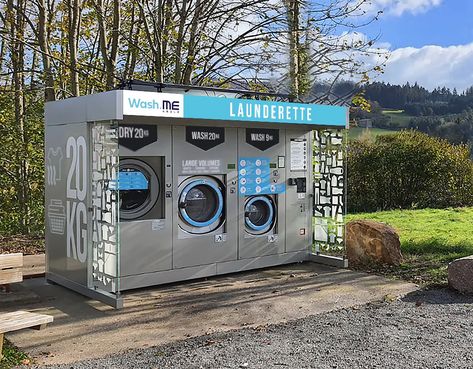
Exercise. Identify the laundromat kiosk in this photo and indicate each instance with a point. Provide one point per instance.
(145, 188)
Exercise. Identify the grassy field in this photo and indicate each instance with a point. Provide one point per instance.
(430, 239)
(356, 132)
(398, 117)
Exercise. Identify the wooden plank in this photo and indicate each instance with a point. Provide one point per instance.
(17, 320)
(11, 261)
(1, 345)
(11, 275)
(33, 265)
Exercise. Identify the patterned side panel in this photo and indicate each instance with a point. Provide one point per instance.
(329, 192)
(105, 205)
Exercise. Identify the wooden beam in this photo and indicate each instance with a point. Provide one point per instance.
(11, 268)
(1, 346)
(11, 275)
(17, 320)
(11, 261)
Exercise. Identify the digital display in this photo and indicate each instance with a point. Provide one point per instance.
(132, 180)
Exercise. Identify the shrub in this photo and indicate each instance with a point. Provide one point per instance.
(408, 169)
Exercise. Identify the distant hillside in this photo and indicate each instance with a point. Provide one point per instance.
(442, 113)
(418, 101)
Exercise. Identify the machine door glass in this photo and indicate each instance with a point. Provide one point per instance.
(139, 188)
(201, 203)
(259, 214)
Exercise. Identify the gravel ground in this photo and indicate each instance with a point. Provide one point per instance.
(428, 329)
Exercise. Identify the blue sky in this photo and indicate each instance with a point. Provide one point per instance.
(449, 23)
(430, 41)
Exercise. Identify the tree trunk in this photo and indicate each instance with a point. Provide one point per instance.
(74, 10)
(108, 60)
(293, 15)
(43, 35)
(191, 51)
(17, 51)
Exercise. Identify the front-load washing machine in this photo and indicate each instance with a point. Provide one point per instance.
(261, 188)
(201, 205)
(260, 215)
(144, 181)
(205, 196)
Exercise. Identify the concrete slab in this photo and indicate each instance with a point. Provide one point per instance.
(84, 328)
(18, 295)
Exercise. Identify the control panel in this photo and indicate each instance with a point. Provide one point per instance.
(256, 177)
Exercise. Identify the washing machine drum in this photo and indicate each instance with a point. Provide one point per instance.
(201, 204)
(260, 214)
(139, 188)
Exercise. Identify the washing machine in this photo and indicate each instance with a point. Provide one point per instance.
(145, 203)
(261, 188)
(260, 215)
(205, 195)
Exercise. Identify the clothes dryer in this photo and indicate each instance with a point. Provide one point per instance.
(145, 182)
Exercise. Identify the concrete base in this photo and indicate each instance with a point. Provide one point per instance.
(18, 295)
(334, 261)
(209, 270)
(85, 328)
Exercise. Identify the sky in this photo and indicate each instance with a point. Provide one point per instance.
(430, 41)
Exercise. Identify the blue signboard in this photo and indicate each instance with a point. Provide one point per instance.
(221, 108)
(254, 177)
(154, 104)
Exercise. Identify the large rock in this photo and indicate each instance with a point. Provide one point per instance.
(460, 274)
(370, 242)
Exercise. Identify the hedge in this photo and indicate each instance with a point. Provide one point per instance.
(408, 169)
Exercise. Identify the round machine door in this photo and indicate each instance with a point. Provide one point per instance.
(139, 188)
(259, 214)
(201, 204)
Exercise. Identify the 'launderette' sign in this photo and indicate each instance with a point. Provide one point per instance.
(141, 103)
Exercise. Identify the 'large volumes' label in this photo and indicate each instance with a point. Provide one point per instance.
(136, 136)
(205, 138)
(261, 138)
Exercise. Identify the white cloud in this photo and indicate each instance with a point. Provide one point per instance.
(431, 66)
(399, 7)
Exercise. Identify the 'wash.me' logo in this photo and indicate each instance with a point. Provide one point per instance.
(166, 105)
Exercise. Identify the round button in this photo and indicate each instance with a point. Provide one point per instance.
(242, 163)
(258, 162)
(258, 180)
(242, 189)
(242, 172)
(258, 172)
(258, 189)
(272, 188)
(243, 181)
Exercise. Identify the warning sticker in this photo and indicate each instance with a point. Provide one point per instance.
(298, 155)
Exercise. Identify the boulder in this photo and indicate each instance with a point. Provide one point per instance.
(460, 274)
(370, 242)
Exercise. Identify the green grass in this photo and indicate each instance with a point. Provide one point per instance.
(430, 239)
(356, 132)
(398, 117)
(12, 356)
